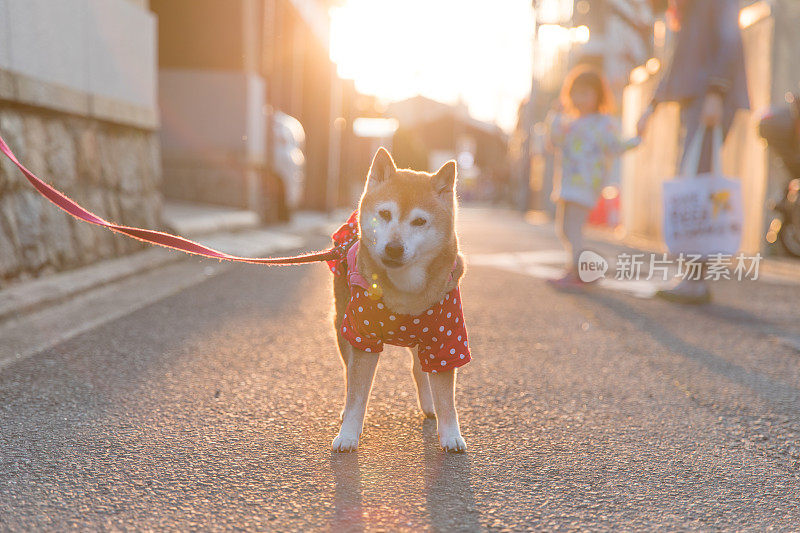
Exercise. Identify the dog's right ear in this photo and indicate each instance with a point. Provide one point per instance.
(382, 167)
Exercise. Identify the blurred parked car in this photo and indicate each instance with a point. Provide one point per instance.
(288, 162)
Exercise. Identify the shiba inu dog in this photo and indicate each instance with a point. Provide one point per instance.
(399, 285)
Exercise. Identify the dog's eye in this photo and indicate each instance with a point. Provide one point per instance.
(385, 214)
(418, 221)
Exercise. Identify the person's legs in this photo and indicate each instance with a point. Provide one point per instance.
(691, 290)
(560, 230)
(575, 216)
(570, 218)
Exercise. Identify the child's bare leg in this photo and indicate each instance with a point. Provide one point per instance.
(560, 233)
(570, 219)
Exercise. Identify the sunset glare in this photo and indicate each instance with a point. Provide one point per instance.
(444, 49)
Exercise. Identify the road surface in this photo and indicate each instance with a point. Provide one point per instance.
(214, 408)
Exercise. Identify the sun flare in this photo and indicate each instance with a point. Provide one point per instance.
(447, 50)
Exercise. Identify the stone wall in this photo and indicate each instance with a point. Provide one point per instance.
(110, 169)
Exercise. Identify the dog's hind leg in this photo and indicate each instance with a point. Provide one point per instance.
(341, 297)
(424, 397)
(344, 351)
(443, 386)
(360, 371)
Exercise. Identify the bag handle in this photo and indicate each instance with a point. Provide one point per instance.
(716, 150)
(695, 150)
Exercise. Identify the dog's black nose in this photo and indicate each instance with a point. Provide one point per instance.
(394, 250)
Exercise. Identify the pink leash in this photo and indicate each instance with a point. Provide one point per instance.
(157, 237)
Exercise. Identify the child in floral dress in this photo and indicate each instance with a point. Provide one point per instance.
(586, 140)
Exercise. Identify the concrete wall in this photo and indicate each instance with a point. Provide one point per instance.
(248, 52)
(143, 4)
(231, 124)
(78, 107)
(201, 34)
(88, 57)
(213, 135)
(213, 100)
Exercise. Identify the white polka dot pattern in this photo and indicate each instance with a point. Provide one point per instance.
(441, 339)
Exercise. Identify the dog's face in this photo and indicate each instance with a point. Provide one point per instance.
(405, 217)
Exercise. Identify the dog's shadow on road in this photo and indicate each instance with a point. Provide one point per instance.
(449, 497)
(347, 503)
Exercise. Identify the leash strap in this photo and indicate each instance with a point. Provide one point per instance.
(157, 237)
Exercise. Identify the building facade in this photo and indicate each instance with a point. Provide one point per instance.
(224, 67)
(78, 107)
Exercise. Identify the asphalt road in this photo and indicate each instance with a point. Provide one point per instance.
(214, 408)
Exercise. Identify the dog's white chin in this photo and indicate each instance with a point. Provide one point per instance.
(410, 277)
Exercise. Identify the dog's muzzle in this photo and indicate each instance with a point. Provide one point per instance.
(393, 254)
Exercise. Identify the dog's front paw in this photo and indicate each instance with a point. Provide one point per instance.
(452, 442)
(345, 442)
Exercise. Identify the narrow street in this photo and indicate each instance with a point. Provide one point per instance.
(214, 407)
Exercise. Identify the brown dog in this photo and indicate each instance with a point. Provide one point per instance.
(399, 286)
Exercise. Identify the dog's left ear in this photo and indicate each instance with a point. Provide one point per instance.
(444, 181)
(382, 167)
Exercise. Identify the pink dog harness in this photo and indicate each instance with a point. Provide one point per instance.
(439, 332)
